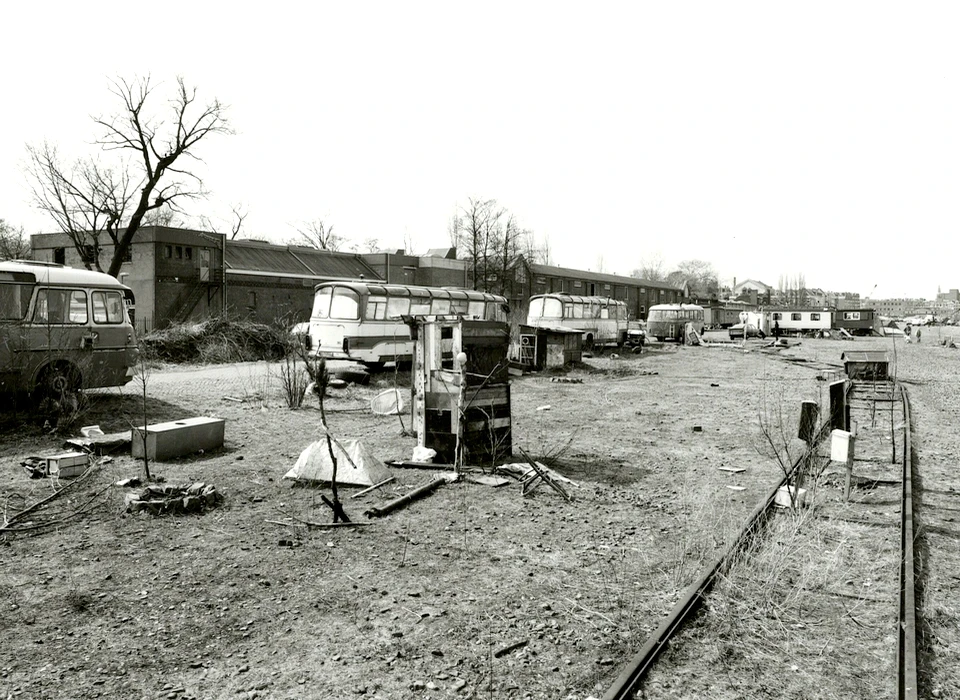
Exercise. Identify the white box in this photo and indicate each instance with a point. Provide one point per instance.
(841, 446)
(783, 496)
(67, 464)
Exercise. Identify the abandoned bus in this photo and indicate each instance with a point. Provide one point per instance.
(63, 329)
(365, 320)
(669, 321)
(602, 320)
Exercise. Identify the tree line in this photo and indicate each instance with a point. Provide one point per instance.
(142, 172)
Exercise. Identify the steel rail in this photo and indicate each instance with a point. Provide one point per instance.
(628, 680)
(907, 636)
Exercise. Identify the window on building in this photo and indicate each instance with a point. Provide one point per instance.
(251, 298)
(188, 253)
(179, 252)
(643, 290)
(60, 256)
(168, 251)
(127, 254)
(578, 283)
(607, 287)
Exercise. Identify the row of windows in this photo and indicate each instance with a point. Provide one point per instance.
(815, 316)
(182, 252)
(65, 306)
(344, 305)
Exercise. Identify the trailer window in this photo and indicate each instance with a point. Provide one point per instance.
(345, 304)
(14, 300)
(60, 306)
(796, 317)
(814, 317)
(777, 316)
(851, 315)
(107, 307)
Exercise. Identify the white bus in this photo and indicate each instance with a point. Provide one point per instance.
(365, 320)
(63, 329)
(602, 320)
(669, 321)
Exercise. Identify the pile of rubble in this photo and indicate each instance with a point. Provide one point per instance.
(159, 499)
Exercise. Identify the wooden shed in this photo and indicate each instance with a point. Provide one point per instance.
(542, 347)
(866, 364)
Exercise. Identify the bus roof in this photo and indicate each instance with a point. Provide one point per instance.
(404, 290)
(665, 307)
(563, 296)
(30, 272)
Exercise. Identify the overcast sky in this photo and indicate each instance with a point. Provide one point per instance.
(771, 139)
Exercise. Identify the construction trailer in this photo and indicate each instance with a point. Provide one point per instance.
(461, 390)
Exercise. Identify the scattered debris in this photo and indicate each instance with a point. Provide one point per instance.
(487, 480)
(543, 408)
(99, 444)
(132, 482)
(408, 498)
(732, 470)
(387, 403)
(698, 428)
(510, 647)
(173, 499)
(567, 380)
(373, 488)
(736, 488)
(532, 481)
(357, 467)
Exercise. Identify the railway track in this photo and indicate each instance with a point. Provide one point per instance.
(879, 412)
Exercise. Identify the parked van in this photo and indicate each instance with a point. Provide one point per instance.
(63, 329)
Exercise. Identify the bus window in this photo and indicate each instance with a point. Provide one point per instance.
(14, 300)
(440, 307)
(568, 310)
(476, 308)
(321, 303)
(552, 308)
(397, 307)
(345, 304)
(376, 308)
(60, 306)
(494, 313)
(459, 306)
(578, 310)
(420, 306)
(536, 308)
(107, 307)
(604, 310)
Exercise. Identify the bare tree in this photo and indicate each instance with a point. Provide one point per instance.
(14, 244)
(317, 234)
(90, 199)
(700, 277)
(651, 269)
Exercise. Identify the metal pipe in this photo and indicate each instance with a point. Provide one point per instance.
(404, 500)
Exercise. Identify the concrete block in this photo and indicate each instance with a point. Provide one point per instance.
(178, 438)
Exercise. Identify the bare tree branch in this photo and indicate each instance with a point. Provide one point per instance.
(88, 199)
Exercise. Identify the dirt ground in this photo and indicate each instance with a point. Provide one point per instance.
(472, 592)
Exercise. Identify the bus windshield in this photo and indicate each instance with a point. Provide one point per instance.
(545, 308)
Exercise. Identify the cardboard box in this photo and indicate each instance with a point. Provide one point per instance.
(67, 465)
